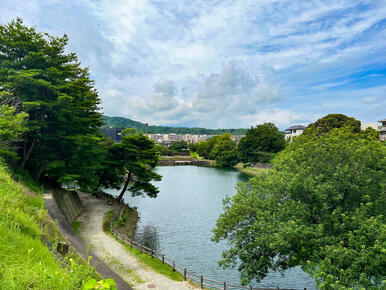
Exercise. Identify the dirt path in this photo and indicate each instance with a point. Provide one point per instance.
(114, 254)
(77, 244)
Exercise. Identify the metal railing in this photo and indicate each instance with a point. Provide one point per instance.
(200, 280)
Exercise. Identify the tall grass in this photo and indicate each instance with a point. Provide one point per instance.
(25, 261)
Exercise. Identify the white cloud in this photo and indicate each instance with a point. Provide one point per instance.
(229, 63)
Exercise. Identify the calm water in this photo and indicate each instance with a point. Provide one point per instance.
(180, 220)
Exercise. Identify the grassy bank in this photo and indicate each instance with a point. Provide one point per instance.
(144, 259)
(252, 171)
(25, 231)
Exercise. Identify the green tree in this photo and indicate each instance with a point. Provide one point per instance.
(130, 162)
(12, 125)
(62, 140)
(225, 151)
(179, 146)
(331, 121)
(260, 142)
(321, 207)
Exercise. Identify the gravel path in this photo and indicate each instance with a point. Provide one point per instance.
(78, 245)
(114, 254)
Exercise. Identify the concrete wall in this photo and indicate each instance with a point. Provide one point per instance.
(69, 203)
(169, 162)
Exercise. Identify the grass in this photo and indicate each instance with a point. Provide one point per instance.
(144, 259)
(25, 261)
(252, 171)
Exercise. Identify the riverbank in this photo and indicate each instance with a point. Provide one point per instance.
(252, 171)
(126, 264)
(185, 160)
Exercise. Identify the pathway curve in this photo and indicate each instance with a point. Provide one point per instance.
(114, 254)
(77, 244)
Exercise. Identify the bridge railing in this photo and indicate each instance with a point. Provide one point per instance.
(200, 280)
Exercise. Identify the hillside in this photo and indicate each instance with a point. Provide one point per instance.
(25, 232)
(121, 122)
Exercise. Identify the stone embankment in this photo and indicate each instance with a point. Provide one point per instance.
(69, 203)
(184, 160)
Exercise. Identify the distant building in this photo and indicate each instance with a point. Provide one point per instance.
(374, 126)
(112, 133)
(294, 131)
(237, 138)
(382, 130)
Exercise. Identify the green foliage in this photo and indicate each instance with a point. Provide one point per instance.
(132, 161)
(332, 121)
(61, 143)
(179, 146)
(194, 155)
(12, 125)
(220, 148)
(101, 284)
(260, 143)
(322, 207)
(25, 262)
(120, 122)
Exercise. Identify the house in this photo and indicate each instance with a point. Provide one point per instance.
(382, 130)
(294, 131)
(374, 126)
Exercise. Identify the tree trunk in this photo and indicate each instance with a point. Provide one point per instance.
(40, 172)
(120, 197)
(26, 157)
(119, 211)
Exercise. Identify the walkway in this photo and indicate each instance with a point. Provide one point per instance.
(77, 244)
(114, 254)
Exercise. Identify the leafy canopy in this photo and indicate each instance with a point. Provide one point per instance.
(220, 148)
(260, 142)
(132, 161)
(12, 125)
(321, 207)
(62, 137)
(331, 121)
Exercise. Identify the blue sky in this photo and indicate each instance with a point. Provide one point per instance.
(224, 63)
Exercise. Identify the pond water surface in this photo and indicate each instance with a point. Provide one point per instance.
(180, 220)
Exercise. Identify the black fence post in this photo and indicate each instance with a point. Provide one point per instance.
(185, 274)
(202, 282)
(174, 266)
(225, 285)
(152, 254)
(163, 259)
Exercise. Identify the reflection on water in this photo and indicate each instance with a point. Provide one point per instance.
(148, 236)
(179, 223)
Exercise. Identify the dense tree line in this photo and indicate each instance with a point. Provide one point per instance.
(50, 119)
(258, 145)
(121, 122)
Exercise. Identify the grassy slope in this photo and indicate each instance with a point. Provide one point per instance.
(25, 262)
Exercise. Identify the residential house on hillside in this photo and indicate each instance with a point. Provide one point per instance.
(294, 131)
(382, 130)
(374, 126)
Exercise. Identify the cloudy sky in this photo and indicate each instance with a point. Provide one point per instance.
(224, 63)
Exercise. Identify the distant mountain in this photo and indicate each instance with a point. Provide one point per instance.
(121, 122)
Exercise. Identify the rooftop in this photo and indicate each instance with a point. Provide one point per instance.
(295, 127)
(383, 120)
